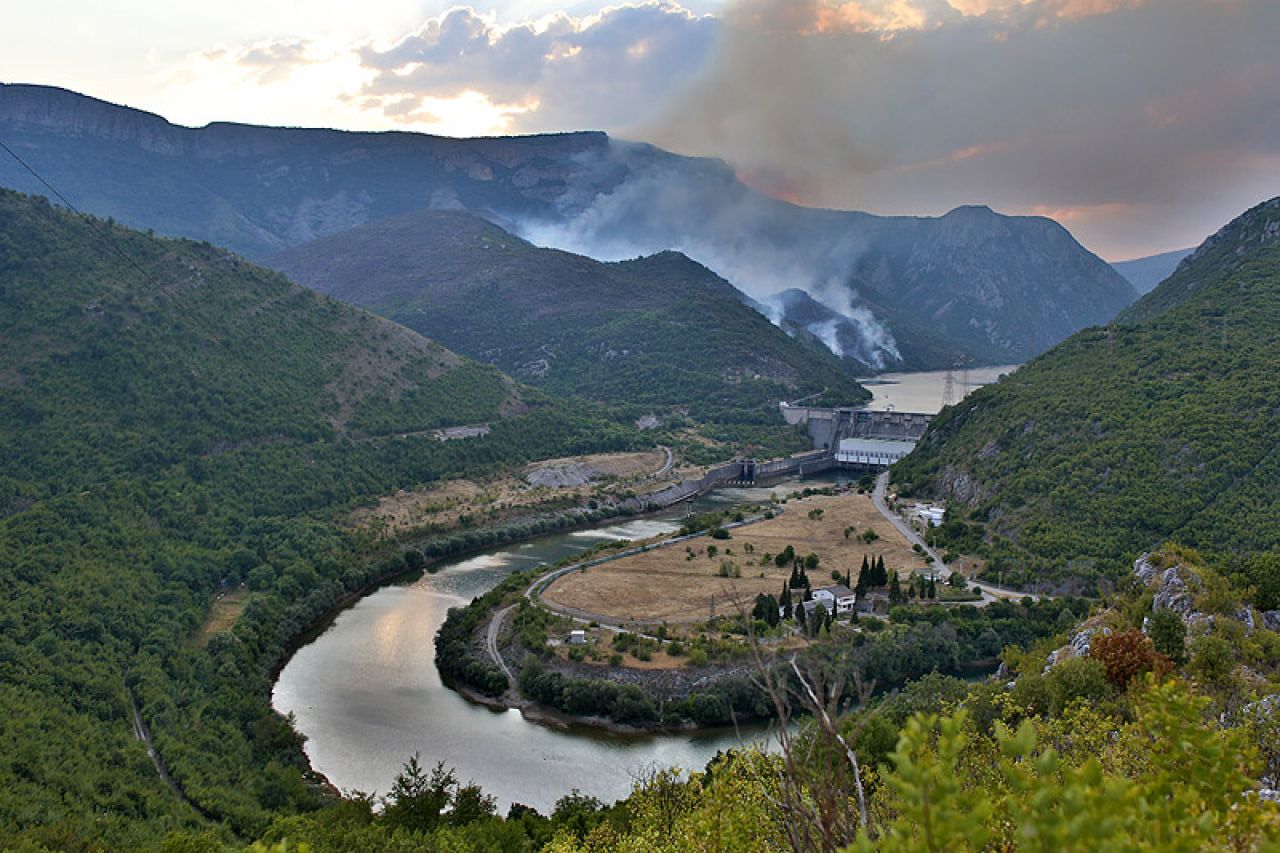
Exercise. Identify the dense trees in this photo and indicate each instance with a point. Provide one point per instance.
(167, 435)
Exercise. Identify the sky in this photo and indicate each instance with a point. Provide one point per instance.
(1140, 125)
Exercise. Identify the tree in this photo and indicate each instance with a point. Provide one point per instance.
(1264, 574)
(787, 609)
(933, 588)
(1126, 655)
(878, 576)
(895, 590)
(811, 561)
(1169, 635)
(863, 578)
(417, 800)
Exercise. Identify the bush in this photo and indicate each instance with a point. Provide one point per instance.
(1076, 680)
(1127, 655)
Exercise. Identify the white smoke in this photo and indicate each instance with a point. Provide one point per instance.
(644, 201)
(826, 332)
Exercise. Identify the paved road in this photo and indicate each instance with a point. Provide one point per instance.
(666, 466)
(989, 592)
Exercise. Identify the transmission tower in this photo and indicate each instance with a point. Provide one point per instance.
(948, 389)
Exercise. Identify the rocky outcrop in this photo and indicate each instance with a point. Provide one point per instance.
(1077, 648)
(1175, 590)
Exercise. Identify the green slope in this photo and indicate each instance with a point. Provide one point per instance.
(652, 334)
(173, 419)
(1162, 425)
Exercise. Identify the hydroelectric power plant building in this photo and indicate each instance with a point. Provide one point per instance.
(859, 438)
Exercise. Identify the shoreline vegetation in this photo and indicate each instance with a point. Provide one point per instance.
(683, 678)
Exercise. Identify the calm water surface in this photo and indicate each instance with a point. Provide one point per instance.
(367, 695)
(923, 391)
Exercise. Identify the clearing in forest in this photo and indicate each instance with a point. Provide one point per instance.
(665, 585)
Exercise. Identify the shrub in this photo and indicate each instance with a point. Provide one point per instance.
(1126, 655)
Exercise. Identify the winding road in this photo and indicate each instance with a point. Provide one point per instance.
(989, 592)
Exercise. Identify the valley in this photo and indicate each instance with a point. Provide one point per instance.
(380, 489)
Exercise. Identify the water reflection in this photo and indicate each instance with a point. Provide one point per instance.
(367, 695)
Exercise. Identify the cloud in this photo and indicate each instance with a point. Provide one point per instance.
(559, 72)
(274, 61)
(1169, 108)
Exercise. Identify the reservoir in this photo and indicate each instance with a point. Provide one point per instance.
(924, 391)
(367, 695)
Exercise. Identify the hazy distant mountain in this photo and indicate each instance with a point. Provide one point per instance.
(1162, 425)
(1145, 273)
(995, 289)
(661, 331)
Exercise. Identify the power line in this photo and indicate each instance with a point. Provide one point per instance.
(89, 220)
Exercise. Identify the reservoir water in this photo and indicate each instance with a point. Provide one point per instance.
(367, 695)
(924, 391)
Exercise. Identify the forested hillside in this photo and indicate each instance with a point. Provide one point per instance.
(652, 334)
(1162, 425)
(173, 423)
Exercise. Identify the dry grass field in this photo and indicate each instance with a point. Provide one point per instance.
(445, 503)
(663, 585)
(223, 613)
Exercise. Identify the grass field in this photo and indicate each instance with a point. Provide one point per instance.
(664, 585)
(446, 503)
(223, 613)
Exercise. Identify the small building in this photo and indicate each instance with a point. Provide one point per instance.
(577, 637)
(931, 515)
(837, 598)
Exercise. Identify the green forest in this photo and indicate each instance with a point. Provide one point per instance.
(661, 334)
(175, 422)
(1160, 426)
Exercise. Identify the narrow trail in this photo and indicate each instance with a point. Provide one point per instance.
(141, 732)
(491, 641)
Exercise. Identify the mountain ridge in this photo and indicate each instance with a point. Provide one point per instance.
(659, 331)
(1159, 426)
(997, 289)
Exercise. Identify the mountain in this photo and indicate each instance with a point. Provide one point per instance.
(995, 289)
(179, 426)
(1145, 273)
(658, 332)
(1160, 426)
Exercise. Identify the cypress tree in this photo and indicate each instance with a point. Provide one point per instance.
(895, 590)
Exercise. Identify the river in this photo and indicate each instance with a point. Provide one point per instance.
(367, 695)
(924, 391)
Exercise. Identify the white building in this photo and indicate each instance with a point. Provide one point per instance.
(577, 638)
(838, 598)
(880, 452)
